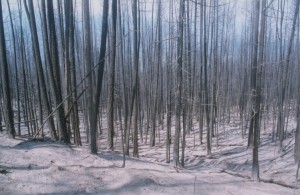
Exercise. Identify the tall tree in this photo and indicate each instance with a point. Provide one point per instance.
(16, 68)
(55, 76)
(205, 64)
(7, 107)
(88, 63)
(123, 85)
(297, 136)
(178, 85)
(255, 90)
(200, 89)
(70, 60)
(158, 62)
(94, 104)
(111, 81)
(169, 87)
(65, 36)
(135, 102)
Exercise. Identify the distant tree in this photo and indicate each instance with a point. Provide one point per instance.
(7, 101)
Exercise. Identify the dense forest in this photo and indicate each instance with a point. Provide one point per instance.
(151, 72)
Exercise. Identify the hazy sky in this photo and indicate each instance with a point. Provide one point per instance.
(241, 8)
(96, 5)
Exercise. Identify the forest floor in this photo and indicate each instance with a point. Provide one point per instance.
(42, 166)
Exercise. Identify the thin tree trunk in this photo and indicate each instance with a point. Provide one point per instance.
(136, 80)
(169, 88)
(88, 64)
(206, 95)
(1, 110)
(200, 90)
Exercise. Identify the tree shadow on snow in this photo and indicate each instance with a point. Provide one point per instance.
(40, 142)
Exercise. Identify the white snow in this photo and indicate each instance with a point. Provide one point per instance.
(47, 167)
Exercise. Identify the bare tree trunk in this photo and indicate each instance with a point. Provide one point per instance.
(65, 42)
(16, 69)
(200, 89)
(255, 87)
(169, 87)
(128, 106)
(94, 105)
(70, 60)
(122, 132)
(88, 64)
(111, 81)
(7, 107)
(206, 95)
(169, 112)
(297, 136)
(55, 77)
(136, 80)
(1, 110)
(189, 102)
(178, 108)
(24, 72)
(123, 87)
(156, 85)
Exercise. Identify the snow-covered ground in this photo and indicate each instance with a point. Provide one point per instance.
(47, 167)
